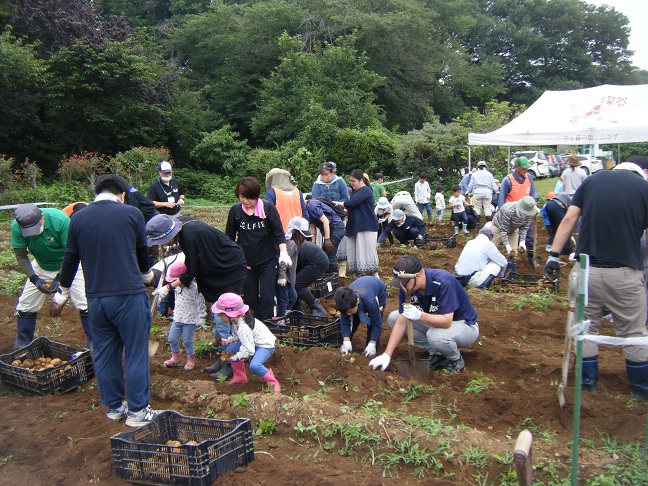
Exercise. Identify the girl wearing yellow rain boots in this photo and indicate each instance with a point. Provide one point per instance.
(250, 338)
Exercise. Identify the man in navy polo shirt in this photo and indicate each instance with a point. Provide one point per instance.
(443, 319)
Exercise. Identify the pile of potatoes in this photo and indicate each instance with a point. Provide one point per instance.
(41, 364)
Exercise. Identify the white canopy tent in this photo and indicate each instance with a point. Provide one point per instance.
(607, 114)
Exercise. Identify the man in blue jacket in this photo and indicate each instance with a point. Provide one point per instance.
(362, 301)
(405, 228)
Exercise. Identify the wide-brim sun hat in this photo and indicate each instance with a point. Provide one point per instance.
(383, 202)
(574, 161)
(230, 304)
(175, 271)
(161, 228)
(526, 206)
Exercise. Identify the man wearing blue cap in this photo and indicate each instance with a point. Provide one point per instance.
(166, 193)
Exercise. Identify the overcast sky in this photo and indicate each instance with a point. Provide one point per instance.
(637, 13)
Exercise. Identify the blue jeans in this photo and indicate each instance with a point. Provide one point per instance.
(337, 233)
(187, 331)
(459, 218)
(121, 324)
(286, 298)
(425, 206)
(261, 355)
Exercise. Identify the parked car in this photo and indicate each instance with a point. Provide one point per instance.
(539, 167)
(556, 165)
(590, 163)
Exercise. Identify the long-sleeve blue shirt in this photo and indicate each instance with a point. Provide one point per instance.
(372, 293)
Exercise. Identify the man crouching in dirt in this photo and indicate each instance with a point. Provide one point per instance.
(449, 321)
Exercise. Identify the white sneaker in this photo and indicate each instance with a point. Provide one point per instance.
(117, 413)
(143, 417)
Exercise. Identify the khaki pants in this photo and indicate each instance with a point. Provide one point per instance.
(32, 299)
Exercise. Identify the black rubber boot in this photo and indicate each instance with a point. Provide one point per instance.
(317, 309)
(25, 326)
(590, 374)
(638, 378)
(226, 371)
(533, 261)
(218, 364)
(85, 322)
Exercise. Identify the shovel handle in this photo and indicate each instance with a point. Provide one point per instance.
(410, 332)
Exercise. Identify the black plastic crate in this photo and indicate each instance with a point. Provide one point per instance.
(52, 380)
(299, 329)
(141, 456)
(324, 286)
(530, 281)
(434, 242)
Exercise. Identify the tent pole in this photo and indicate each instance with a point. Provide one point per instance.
(469, 157)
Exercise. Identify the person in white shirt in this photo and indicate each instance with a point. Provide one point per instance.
(572, 177)
(422, 193)
(480, 261)
(403, 200)
(481, 186)
(439, 203)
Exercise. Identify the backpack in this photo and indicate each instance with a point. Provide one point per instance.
(339, 210)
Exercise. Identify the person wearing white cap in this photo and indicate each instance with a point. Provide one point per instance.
(166, 193)
(43, 232)
(403, 200)
(405, 227)
(383, 211)
(480, 261)
(613, 209)
(481, 186)
(512, 222)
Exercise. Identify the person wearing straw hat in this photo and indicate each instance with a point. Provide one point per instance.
(573, 176)
(613, 208)
(443, 319)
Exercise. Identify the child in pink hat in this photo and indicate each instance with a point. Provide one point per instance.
(189, 311)
(250, 338)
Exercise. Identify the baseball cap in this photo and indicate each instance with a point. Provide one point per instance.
(631, 166)
(300, 224)
(164, 166)
(481, 163)
(28, 217)
(396, 215)
(161, 228)
(405, 269)
(523, 162)
(526, 206)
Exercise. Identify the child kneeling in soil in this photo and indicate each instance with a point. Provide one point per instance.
(250, 337)
(189, 311)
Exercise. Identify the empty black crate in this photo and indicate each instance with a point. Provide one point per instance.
(52, 380)
(300, 329)
(530, 281)
(324, 286)
(141, 456)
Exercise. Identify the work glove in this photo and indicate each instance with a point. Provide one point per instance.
(522, 245)
(552, 267)
(162, 292)
(56, 283)
(284, 258)
(509, 249)
(328, 246)
(148, 278)
(225, 341)
(41, 284)
(370, 350)
(281, 282)
(411, 312)
(60, 297)
(381, 362)
(346, 348)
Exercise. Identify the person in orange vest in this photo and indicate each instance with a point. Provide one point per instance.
(281, 190)
(514, 187)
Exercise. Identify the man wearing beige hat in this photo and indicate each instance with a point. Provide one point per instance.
(511, 222)
(573, 176)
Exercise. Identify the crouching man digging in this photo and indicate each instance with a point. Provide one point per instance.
(442, 317)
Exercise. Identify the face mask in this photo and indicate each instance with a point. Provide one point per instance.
(165, 178)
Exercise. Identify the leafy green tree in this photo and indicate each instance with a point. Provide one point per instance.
(372, 150)
(139, 164)
(221, 151)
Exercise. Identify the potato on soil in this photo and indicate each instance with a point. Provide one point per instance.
(225, 356)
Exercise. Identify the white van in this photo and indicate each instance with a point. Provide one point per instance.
(539, 166)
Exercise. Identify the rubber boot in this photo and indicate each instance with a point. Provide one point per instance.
(191, 362)
(342, 268)
(25, 326)
(226, 371)
(218, 364)
(638, 377)
(533, 261)
(270, 378)
(317, 309)
(486, 283)
(590, 374)
(456, 230)
(85, 322)
(239, 372)
(489, 218)
(173, 362)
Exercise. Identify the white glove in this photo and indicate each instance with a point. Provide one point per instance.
(281, 282)
(226, 341)
(148, 278)
(509, 249)
(411, 312)
(60, 298)
(346, 348)
(162, 292)
(381, 362)
(522, 245)
(284, 258)
(370, 350)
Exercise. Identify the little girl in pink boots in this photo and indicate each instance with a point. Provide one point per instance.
(250, 337)
(188, 312)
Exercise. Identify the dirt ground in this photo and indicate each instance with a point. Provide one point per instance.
(58, 439)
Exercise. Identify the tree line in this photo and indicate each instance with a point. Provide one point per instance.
(234, 88)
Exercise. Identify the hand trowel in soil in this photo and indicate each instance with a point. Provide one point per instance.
(412, 367)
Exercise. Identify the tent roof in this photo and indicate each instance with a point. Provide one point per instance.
(604, 114)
